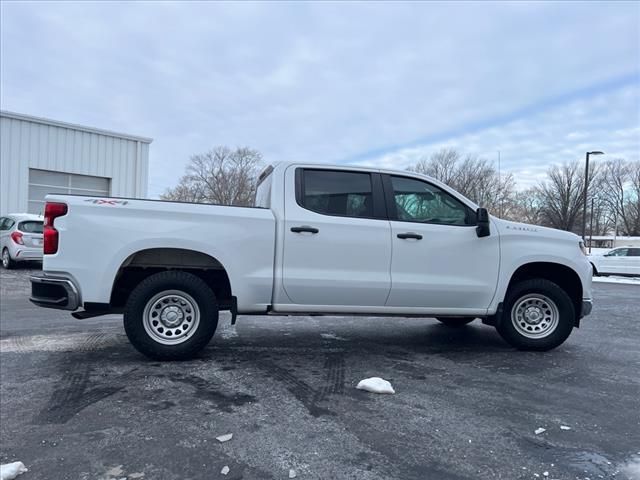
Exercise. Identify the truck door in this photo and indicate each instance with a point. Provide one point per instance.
(337, 243)
(438, 261)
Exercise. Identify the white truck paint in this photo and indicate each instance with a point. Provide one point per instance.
(354, 263)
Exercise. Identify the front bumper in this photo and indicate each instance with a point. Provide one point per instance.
(587, 306)
(54, 291)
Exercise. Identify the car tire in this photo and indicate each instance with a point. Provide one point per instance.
(538, 315)
(455, 322)
(7, 262)
(171, 316)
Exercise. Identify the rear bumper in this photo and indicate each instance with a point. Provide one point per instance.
(27, 254)
(54, 291)
(587, 306)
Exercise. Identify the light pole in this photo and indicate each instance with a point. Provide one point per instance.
(584, 199)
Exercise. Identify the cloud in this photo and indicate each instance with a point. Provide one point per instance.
(330, 82)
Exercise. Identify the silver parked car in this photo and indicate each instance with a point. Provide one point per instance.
(20, 238)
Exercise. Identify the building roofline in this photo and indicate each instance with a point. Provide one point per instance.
(73, 126)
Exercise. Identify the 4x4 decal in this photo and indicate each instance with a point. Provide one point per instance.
(101, 201)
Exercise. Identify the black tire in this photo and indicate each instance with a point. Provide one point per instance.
(151, 292)
(7, 262)
(529, 290)
(455, 322)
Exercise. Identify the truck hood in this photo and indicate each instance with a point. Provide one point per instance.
(506, 227)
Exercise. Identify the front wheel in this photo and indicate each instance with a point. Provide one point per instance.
(455, 322)
(171, 316)
(538, 315)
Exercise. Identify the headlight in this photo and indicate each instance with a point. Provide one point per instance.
(582, 247)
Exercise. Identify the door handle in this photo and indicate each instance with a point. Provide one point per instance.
(304, 228)
(415, 236)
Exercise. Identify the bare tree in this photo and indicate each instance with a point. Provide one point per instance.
(221, 176)
(621, 180)
(632, 208)
(474, 177)
(561, 195)
(526, 206)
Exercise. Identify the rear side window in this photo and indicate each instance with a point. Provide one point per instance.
(634, 252)
(7, 223)
(346, 194)
(31, 226)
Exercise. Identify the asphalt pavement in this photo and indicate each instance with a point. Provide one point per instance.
(78, 402)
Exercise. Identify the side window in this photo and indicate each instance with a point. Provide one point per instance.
(263, 190)
(347, 194)
(8, 223)
(620, 252)
(634, 252)
(418, 201)
(2, 220)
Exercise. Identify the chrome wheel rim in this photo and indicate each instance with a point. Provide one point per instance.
(171, 317)
(535, 316)
(5, 259)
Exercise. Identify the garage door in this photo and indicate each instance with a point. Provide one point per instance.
(42, 182)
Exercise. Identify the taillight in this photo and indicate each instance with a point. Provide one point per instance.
(17, 238)
(50, 234)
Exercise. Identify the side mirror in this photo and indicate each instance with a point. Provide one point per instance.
(483, 229)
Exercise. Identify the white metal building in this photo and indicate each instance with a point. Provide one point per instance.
(40, 156)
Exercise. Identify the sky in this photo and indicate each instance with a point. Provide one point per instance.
(366, 83)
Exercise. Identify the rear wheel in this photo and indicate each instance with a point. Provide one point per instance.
(455, 322)
(7, 261)
(538, 315)
(171, 316)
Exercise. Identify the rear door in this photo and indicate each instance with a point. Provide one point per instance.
(337, 246)
(439, 263)
(615, 261)
(5, 231)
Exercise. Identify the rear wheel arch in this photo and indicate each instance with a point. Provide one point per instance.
(144, 263)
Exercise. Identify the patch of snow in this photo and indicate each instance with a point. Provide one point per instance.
(540, 430)
(546, 474)
(225, 438)
(225, 470)
(332, 336)
(10, 471)
(292, 473)
(375, 385)
(564, 427)
(632, 468)
(614, 279)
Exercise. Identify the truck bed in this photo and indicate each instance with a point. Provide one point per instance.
(98, 235)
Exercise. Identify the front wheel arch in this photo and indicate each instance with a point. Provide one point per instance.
(563, 276)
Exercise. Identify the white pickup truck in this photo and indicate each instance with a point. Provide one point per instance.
(332, 240)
